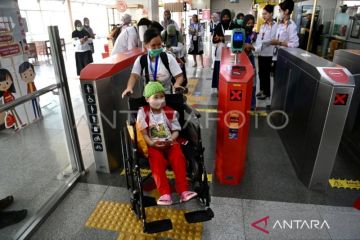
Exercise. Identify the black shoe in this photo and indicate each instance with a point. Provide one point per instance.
(11, 217)
(262, 97)
(259, 94)
(4, 203)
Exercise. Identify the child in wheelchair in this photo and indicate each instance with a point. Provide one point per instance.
(160, 127)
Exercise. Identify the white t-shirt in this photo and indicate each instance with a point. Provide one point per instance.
(163, 74)
(127, 40)
(160, 127)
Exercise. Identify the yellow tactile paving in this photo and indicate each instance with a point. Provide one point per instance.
(118, 217)
(344, 183)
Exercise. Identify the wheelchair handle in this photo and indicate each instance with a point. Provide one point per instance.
(179, 90)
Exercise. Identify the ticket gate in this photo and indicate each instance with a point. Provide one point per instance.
(235, 94)
(310, 104)
(350, 142)
(102, 84)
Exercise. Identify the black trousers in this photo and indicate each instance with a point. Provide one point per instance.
(264, 74)
(216, 73)
(82, 59)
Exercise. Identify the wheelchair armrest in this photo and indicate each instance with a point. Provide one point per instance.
(132, 120)
(191, 110)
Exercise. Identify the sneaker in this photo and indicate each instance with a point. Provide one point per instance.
(195, 65)
(164, 200)
(4, 203)
(259, 94)
(187, 195)
(11, 217)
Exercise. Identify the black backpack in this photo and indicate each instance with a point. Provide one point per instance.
(166, 35)
(144, 65)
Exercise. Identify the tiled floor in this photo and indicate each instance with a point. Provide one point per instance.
(233, 218)
(269, 177)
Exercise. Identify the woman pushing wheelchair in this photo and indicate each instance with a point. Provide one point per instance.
(158, 122)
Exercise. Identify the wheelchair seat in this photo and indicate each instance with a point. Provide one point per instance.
(195, 168)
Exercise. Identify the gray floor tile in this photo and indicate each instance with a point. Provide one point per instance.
(251, 205)
(323, 209)
(94, 234)
(117, 194)
(69, 217)
(87, 187)
(229, 216)
(219, 232)
(343, 226)
(227, 201)
(5, 237)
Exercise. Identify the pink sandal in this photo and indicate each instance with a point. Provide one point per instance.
(164, 200)
(187, 195)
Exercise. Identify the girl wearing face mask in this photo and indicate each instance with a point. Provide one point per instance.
(219, 40)
(250, 38)
(238, 22)
(286, 33)
(82, 41)
(153, 67)
(160, 128)
(196, 31)
(262, 46)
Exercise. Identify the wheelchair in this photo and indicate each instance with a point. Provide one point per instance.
(195, 168)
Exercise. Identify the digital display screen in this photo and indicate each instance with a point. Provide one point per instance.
(238, 36)
(238, 40)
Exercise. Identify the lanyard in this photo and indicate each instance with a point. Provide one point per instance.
(223, 29)
(267, 28)
(154, 71)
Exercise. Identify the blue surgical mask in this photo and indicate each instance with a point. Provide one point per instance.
(155, 52)
(239, 21)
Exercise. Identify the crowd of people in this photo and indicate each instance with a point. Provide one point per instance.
(265, 44)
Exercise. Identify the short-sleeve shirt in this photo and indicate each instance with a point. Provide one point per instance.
(163, 74)
(79, 35)
(160, 127)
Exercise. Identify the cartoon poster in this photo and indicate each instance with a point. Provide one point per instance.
(17, 75)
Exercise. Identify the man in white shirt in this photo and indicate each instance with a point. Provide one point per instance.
(167, 20)
(128, 38)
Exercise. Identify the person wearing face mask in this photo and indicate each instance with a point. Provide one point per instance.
(81, 41)
(214, 21)
(286, 32)
(250, 39)
(238, 22)
(160, 127)
(127, 40)
(90, 31)
(156, 64)
(265, 50)
(196, 31)
(218, 41)
(174, 43)
(167, 20)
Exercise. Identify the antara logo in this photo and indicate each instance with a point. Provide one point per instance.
(262, 224)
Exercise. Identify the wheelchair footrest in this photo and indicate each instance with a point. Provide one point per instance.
(199, 216)
(158, 226)
(149, 201)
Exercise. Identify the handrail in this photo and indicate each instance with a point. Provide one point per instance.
(28, 97)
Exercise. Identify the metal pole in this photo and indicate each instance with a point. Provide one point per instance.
(68, 4)
(311, 25)
(65, 100)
